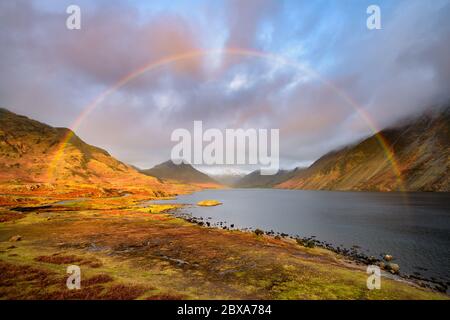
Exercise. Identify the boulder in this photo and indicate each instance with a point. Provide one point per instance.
(259, 232)
(393, 268)
(388, 257)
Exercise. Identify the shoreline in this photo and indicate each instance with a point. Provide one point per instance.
(152, 252)
(355, 257)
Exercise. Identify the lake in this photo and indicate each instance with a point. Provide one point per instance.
(413, 227)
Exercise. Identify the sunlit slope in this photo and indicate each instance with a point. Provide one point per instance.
(29, 154)
(421, 148)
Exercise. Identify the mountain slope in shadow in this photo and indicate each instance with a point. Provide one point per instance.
(184, 173)
(256, 180)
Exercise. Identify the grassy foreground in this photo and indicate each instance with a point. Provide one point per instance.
(127, 251)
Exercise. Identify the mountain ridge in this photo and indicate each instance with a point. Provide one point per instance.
(255, 180)
(184, 172)
(421, 149)
(28, 148)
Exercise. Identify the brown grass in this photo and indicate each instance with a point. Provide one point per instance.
(69, 259)
(97, 279)
(175, 256)
(90, 293)
(167, 296)
(123, 292)
(19, 282)
(6, 216)
(13, 277)
(116, 292)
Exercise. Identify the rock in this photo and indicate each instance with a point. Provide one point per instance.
(381, 264)
(259, 232)
(15, 238)
(308, 243)
(388, 257)
(393, 268)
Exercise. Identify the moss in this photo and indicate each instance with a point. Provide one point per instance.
(156, 256)
(162, 208)
(209, 203)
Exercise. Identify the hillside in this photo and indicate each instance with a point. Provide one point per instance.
(28, 155)
(256, 180)
(421, 148)
(227, 179)
(183, 172)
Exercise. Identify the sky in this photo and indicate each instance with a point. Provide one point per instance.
(317, 68)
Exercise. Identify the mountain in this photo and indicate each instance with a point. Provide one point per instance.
(183, 172)
(256, 180)
(30, 153)
(226, 176)
(227, 179)
(421, 149)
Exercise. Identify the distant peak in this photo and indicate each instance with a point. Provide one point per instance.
(170, 163)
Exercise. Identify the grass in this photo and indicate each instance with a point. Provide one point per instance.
(126, 251)
(57, 258)
(209, 203)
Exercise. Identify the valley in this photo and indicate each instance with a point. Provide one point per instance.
(75, 204)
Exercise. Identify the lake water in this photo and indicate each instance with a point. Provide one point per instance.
(413, 227)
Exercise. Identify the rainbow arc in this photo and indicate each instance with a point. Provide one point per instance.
(229, 52)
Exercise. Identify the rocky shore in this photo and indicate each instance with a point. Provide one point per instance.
(385, 261)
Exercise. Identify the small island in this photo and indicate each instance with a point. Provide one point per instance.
(209, 203)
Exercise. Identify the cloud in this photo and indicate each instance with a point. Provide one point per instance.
(245, 19)
(239, 82)
(51, 73)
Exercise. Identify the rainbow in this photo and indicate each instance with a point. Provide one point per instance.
(231, 52)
